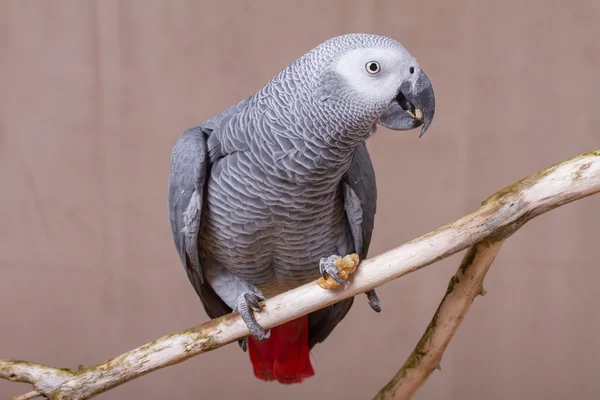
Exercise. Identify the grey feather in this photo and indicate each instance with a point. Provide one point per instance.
(186, 194)
(189, 168)
(360, 180)
(360, 200)
(262, 191)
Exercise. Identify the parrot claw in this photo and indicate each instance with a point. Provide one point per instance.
(374, 301)
(243, 344)
(327, 267)
(254, 300)
(245, 304)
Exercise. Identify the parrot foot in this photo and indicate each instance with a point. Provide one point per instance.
(374, 300)
(246, 304)
(335, 270)
(327, 267)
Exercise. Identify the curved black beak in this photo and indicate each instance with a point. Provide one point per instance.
(413, 106)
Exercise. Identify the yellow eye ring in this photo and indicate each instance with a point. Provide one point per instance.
(373, 67)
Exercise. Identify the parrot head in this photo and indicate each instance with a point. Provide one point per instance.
(378, 76)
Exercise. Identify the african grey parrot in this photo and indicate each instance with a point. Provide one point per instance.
(264, 196)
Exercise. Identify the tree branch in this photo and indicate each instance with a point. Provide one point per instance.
(498, 217)
(463, 288)
(29, 395)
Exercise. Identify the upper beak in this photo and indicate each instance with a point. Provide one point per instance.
(413, 106)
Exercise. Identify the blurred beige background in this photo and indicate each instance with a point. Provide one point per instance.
(93, 95)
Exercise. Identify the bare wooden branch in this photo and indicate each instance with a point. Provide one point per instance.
(498, 217)
(29, 395)
(45, 379)
(462, 290)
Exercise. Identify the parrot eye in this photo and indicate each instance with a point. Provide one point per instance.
(373, 67)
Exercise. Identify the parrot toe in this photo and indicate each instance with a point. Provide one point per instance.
(243, 344)
(374, 301)
(254, 300)
(327, 267)
(246, 304)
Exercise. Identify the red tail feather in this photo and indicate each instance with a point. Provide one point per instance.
(285, 355)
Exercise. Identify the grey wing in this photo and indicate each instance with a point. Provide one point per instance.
(187, 178)
(360, 199)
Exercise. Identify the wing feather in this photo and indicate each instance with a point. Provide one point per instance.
(360, 199)
(187, 180)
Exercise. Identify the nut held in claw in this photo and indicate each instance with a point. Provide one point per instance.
(346, 266)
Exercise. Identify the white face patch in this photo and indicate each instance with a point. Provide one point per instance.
(395, 66)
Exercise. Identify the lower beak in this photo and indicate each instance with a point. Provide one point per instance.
(413, 106)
